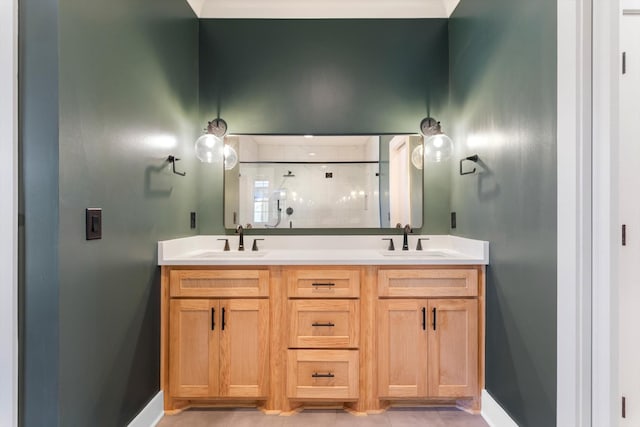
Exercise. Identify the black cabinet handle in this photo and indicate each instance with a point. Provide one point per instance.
(317, 375)
(424, 319)
(223, 322)
(213, 318)
(434, 318)
(323, 324)
(323, 284)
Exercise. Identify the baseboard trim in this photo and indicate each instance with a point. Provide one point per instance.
(493, 413)
(150, 414)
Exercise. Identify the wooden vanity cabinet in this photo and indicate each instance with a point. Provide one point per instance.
(428, 347)
(360, 337)
(218, 347)
(324, 328)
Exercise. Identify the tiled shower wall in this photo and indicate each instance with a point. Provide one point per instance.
(307, 193)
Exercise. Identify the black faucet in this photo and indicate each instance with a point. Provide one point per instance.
(240, 231)
(405, 239)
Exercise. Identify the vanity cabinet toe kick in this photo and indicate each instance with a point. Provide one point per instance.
(283, 338)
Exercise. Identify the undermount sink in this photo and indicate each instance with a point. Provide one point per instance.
(227, 254)
(416, 254)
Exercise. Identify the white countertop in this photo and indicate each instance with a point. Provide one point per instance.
(323, 250)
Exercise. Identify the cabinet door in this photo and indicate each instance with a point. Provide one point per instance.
(193, 348)
(453, 347)
(402, 348)
(244, 344)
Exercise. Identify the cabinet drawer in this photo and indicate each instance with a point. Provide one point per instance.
(323, 374)
(324, 323)
(427, 282)
(219, 283)
(323, 283)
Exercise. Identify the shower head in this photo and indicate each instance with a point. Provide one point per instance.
(289, 174)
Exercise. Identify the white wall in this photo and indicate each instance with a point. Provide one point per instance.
(8, 214)
(630, 4)
(629, 214)
(606, 71)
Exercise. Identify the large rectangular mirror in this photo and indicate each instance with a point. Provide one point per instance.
(285, 181)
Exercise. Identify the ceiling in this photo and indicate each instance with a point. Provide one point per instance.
(317, 9)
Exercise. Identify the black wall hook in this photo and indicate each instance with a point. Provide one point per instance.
(474, 159)
(172, 159)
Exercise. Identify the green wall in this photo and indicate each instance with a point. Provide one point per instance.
(108, 90)
(38, 206)
(503, 105)
(323, 76)
(127, 77)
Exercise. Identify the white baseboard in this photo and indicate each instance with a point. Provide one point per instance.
(493, 413)
(150, 414)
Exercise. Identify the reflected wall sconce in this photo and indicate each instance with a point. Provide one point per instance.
(230, 157)
(173, 159)
(473, 159)
(437, 145)
(417, 157)
(209, 147)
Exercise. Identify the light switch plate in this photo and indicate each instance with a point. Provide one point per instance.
(93, 223)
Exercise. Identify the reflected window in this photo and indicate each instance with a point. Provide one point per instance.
(260, 201)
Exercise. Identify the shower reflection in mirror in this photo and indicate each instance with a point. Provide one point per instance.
(365, 181)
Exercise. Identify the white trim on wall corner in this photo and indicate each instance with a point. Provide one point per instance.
(574, 213)
(606, 62)
(9, 213)
(493, 413)
(151, 414)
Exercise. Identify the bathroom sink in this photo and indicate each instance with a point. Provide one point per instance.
(226, 254)
(416, 254)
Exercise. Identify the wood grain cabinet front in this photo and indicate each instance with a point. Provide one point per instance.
(323, 283)
(218, 348)
(328, 375)
(433, 282)
(428, 333)
(219, 283)
(358, 337)
(324, 323)
(324, 334)
(427, 348)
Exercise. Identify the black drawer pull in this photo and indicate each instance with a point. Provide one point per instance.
(323, 284)
(213, 318)
(323, 324)
(424, 319)
(317, 375)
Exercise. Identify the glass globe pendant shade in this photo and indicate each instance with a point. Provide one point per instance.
(437, 148)
(417, 157)
(230, 157)
(209, 148)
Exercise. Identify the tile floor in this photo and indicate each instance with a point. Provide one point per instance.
(395, 417)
